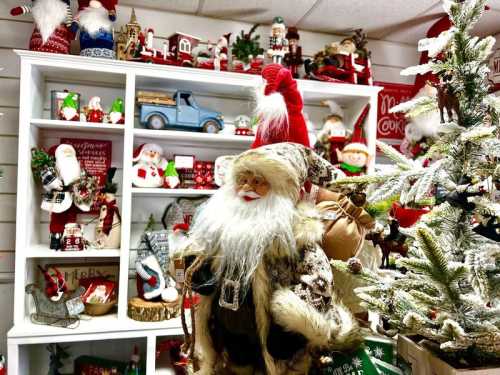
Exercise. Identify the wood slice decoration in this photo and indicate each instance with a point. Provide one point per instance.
(152, 311)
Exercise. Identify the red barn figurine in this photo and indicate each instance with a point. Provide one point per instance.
(181, 45)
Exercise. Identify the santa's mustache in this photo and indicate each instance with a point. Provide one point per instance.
(248, 194)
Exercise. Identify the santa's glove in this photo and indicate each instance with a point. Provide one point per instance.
(283, 345)
(152, 281)
(74, 27)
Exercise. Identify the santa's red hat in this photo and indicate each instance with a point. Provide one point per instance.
(141, 149)
(279, 109)
(109, 5)
(358, 140)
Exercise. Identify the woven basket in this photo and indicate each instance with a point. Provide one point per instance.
(97, 309)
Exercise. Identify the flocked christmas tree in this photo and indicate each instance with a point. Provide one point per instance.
(447, 289)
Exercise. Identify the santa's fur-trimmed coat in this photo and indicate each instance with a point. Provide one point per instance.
(298, 296)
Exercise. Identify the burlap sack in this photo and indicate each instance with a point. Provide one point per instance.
(345, 227)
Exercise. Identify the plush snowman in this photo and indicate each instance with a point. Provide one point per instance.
(149, 166)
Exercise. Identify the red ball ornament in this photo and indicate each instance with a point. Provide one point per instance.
(95, 116)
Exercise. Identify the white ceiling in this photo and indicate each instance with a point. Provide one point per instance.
(404, 21)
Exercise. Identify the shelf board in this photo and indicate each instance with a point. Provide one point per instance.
(196, 138)
(43, 251)
(77, 126)
(174, 193)
(106, 325)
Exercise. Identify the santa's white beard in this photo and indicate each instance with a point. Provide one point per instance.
(272, 113)
(94, 19)
(48, 15)
(69, 169)
(239, 233)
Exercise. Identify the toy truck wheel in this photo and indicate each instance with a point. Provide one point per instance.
(156, 122)
(211, 126)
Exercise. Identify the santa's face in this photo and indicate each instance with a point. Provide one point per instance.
(151, 157)
(335, 127)
(348, 46)
(355, 158)
(251, 187)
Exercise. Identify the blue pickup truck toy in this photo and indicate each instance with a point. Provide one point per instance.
(158, 111)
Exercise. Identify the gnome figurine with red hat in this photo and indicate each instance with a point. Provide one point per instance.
(52, 22)
(355, 156)
(95, 21)
(149, 166)
(279, 109)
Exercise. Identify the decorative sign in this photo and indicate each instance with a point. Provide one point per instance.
(94, 156)
(391, 126)
(73, 272)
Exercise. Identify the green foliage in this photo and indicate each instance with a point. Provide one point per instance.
(40, 160)
(247, 45)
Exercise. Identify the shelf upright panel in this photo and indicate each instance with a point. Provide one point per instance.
(126, 214)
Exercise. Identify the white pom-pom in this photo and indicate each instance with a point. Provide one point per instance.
(169, 295)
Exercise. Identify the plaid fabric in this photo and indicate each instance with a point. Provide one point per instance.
(55, 197)
(48, 176)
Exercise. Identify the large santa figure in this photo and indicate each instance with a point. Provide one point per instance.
(267, 295)
(95, 20)
(52, 21)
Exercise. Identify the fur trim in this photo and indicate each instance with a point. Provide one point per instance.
(283, 179)
(321, 330)
(204, 346)
(309, 228)
(272, 112)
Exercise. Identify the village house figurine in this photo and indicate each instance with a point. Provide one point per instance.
(278, 44)
(127, 40)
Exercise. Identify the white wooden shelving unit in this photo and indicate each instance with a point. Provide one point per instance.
(230, 93)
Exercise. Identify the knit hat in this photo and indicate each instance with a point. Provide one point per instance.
(292, 33)
(139, 151)
(286, 166)
(279, 109)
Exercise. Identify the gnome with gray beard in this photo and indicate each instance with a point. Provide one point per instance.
(52, 22)
(267, 296)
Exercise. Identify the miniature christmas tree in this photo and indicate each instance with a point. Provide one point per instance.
(247, 46)
(448, 288)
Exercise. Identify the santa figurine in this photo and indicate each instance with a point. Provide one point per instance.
(52, 22)
(220, 52)
(95, 21)
(278, 43)
(332, 137)
(94, 111)
(149, 166)
(355, 156)
(267, 296)
(293, 59)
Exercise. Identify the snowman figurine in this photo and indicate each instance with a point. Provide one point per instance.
(149, 166)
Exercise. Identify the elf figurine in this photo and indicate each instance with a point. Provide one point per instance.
(52, 21)
(108, 230)
(95, 112)
(172, 180)
(69, 108)
(332, 137)
(149, 166)
(293, 59)
(278, 43)
(95, 21)
(117, 112)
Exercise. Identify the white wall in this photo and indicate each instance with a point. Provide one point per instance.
(388, 59)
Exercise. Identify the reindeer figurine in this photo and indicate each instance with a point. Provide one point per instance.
(447, 100)
(392, 243)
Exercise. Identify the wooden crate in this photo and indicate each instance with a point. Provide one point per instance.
(423, 362)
